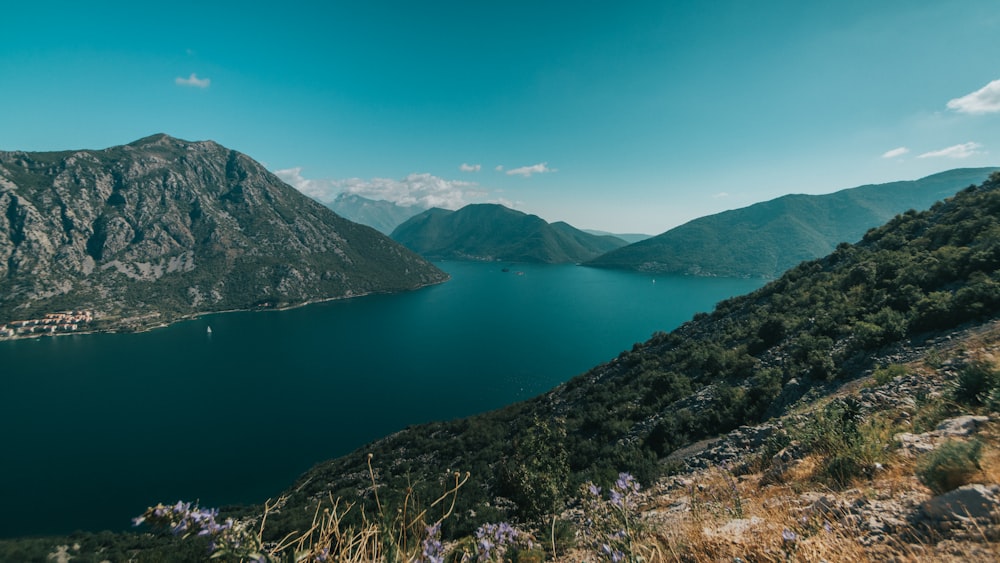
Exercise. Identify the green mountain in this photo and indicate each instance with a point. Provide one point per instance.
(800, 337)
(384, 216)
(494, 232)
(164, 228)
(766, 239)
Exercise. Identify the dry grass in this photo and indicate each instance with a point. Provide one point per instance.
(780, 524)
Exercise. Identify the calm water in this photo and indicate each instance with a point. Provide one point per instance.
(100, 426)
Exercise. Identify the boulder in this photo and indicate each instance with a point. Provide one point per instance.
(979, 502)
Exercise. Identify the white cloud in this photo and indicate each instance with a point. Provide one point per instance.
(983, 100)
(470, 167)
(420, 190)
(194, 81)
(499, 168)
(720, 195)
(899, 151)
(527, 171)
(321, 190)
(964, 150)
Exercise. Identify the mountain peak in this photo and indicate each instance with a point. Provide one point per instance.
(490, 231)
(154, 139)
(121, 229)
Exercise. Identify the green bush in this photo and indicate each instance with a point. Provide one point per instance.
(953, 464)
(976, 381)
(851, 444)
(885, 374)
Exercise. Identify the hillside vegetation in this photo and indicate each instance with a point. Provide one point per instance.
(768, 238)
(845, 406)
(493, 232)
(823, 322)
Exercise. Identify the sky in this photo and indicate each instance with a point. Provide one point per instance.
(620, 116)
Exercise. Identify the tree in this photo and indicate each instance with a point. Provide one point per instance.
(537, 478)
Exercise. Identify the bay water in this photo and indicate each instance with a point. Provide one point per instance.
(98, 427)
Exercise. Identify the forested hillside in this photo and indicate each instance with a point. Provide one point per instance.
(767, 238)
(491, 232)
(824, 321)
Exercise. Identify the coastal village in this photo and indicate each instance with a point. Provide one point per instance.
(51, 323)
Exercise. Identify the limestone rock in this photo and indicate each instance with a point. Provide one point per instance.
(161, 224)
(978, 502)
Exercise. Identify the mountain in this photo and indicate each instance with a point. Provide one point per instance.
(765, 239)
(845, 412)
(164, 228)
(627, 237)
(494, 232)
(383, 216)
(903, 287)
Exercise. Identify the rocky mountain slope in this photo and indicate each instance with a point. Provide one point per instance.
(494, 232)
(383, 216)
(163, 228)
(766, 239)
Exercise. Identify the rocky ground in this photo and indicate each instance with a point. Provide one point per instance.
(763, 493)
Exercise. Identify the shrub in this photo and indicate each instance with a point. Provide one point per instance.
(953, 464)
(976, 381)
(538, 476)
(851, 444)
(886, 374)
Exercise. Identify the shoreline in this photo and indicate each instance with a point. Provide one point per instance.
(118, 327)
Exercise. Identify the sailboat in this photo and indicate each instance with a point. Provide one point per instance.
(209, 331)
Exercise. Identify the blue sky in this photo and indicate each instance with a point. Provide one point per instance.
(622, 116)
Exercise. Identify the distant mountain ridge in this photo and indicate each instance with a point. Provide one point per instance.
(766, 239)
(384, 216)
(627, 237)
(493, 232)
(163, 228)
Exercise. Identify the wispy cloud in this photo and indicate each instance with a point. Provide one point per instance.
(527, 171)
(470, 167)
(963, 150)
(720, 195)
(983, 100)
(193, 81)
(895, 153)
(421, 190)
(499, 168)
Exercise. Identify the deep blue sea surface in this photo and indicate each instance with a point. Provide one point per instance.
(98, 427)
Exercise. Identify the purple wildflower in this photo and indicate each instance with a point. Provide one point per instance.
(788, 536)
(433, 551)
(616, 498)
(626, 483)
